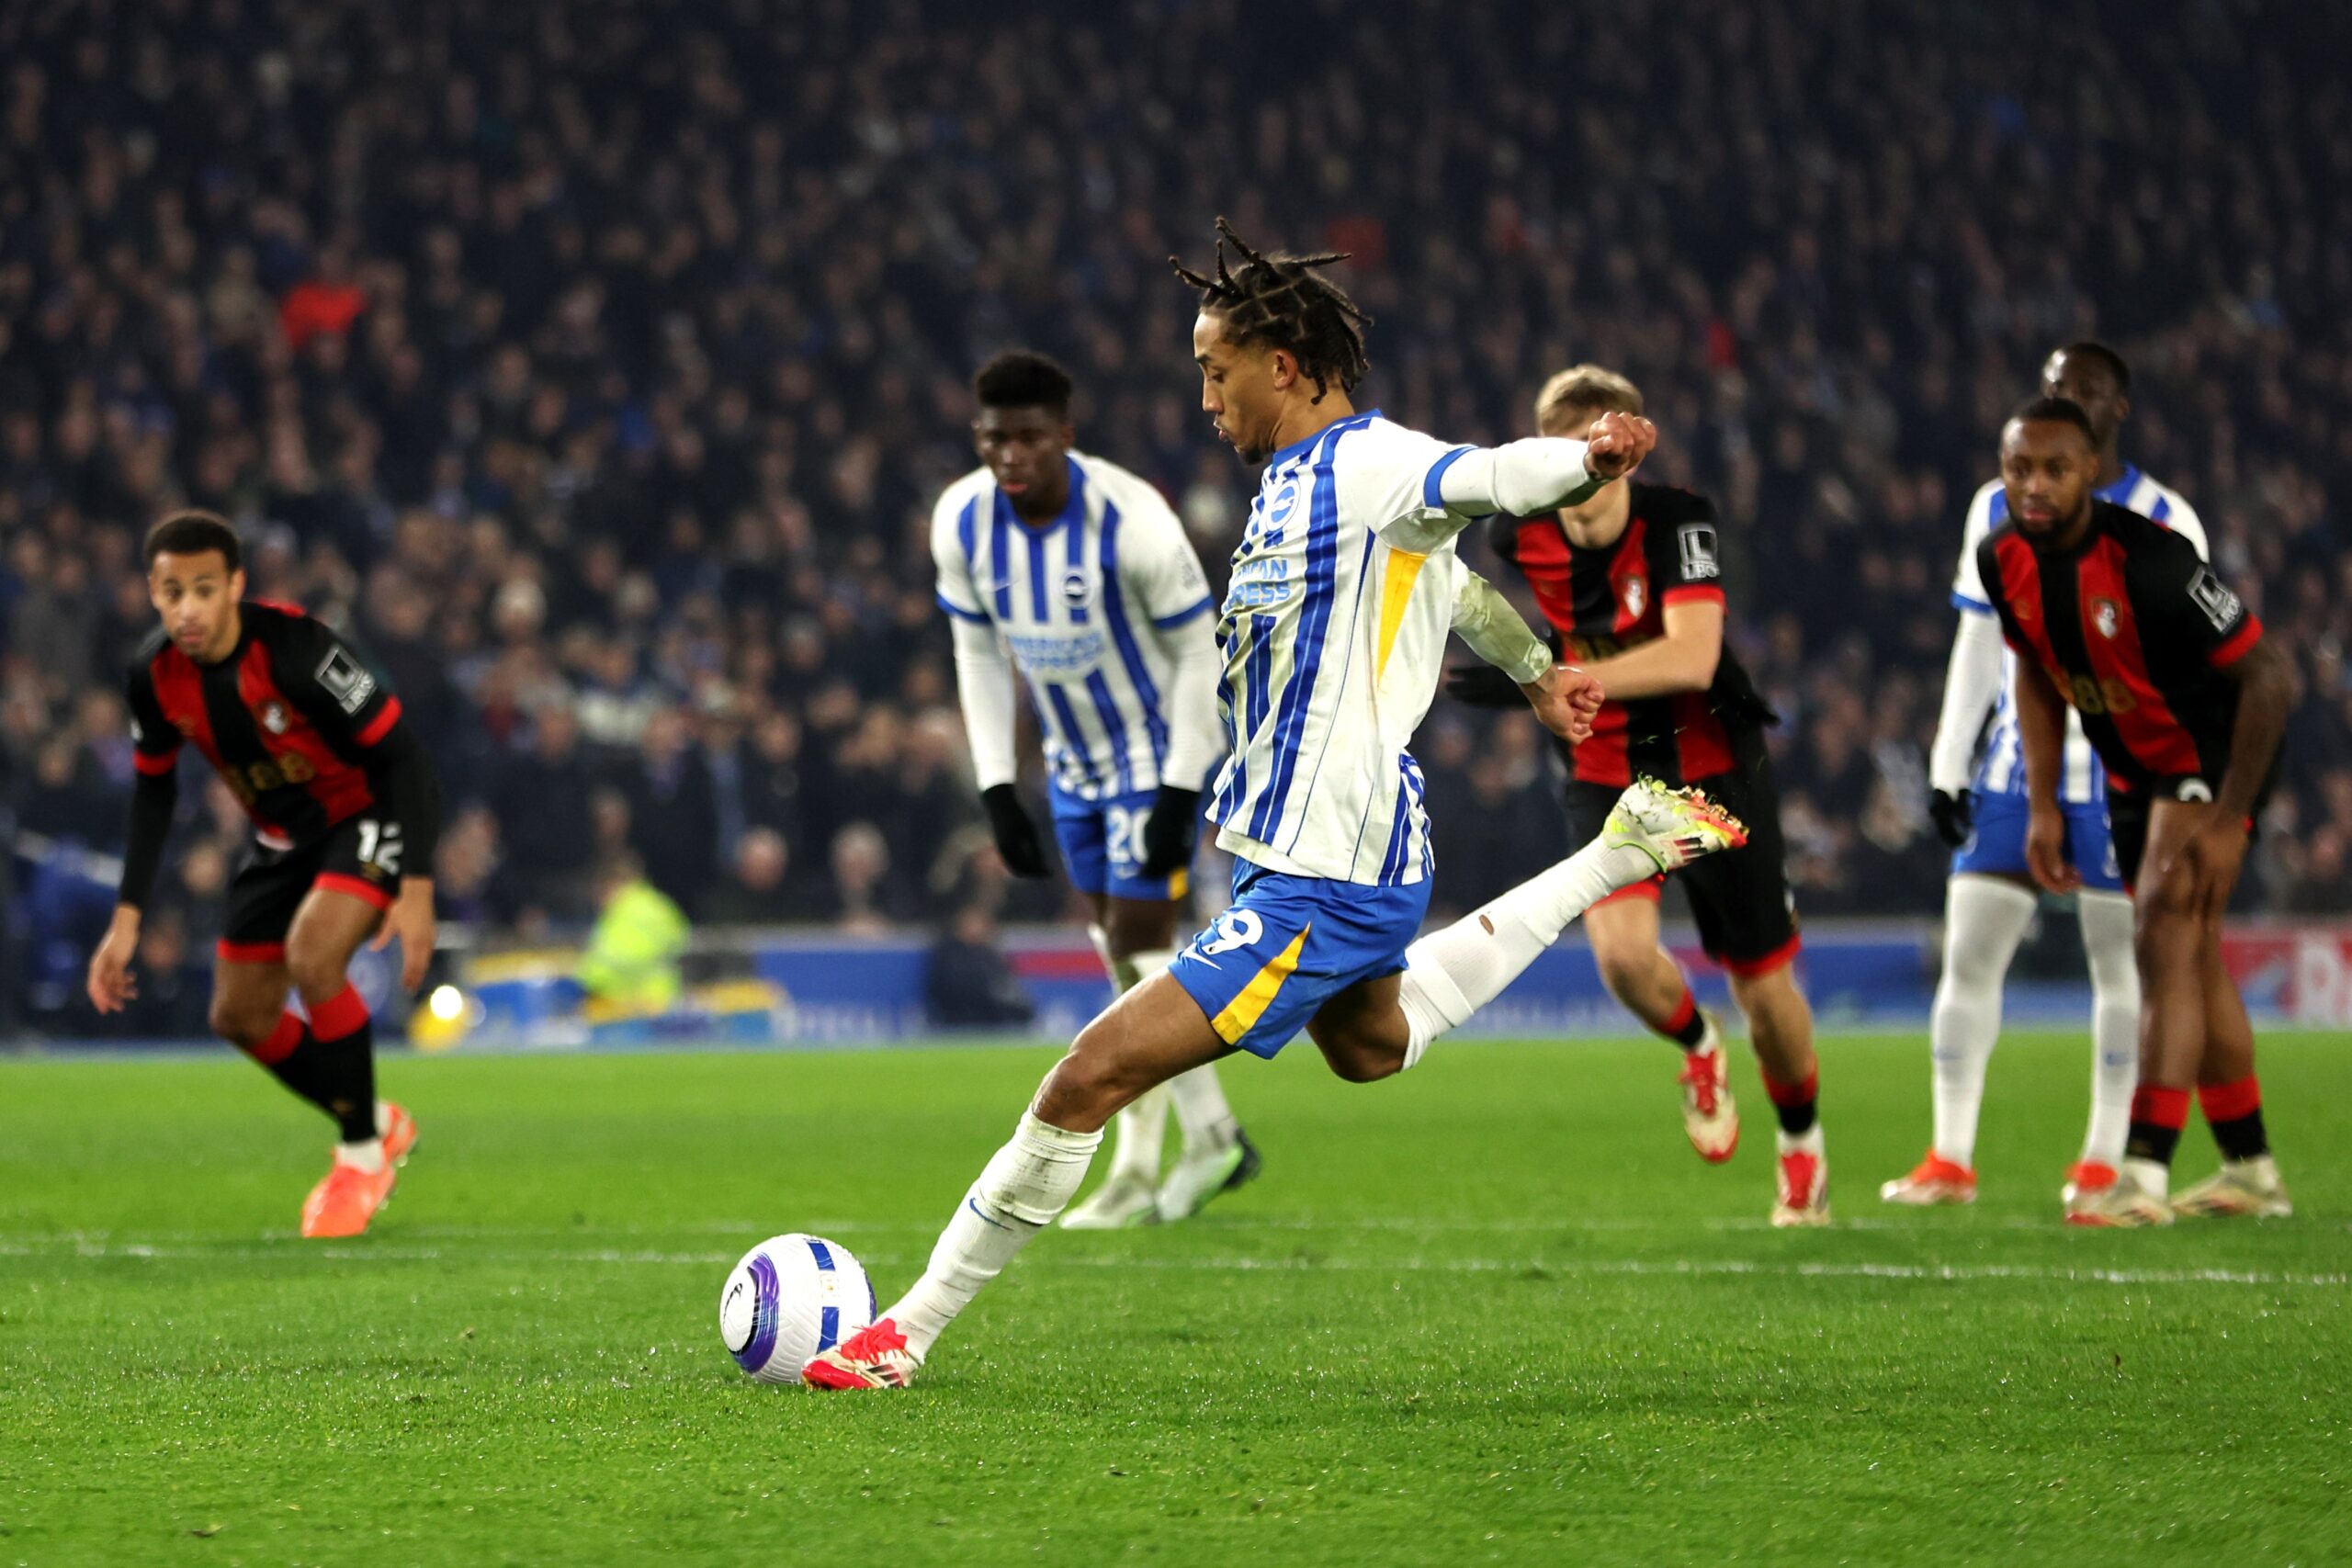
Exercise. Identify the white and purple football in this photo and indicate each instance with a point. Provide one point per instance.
(791, 1297)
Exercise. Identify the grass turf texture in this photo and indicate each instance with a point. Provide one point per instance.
(1495, 1311)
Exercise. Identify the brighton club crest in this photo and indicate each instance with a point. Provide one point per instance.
(2106, 615)
(1637, 596)
(273, 717)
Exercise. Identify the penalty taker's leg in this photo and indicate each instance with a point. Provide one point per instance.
(1147, 1037)
(1451, 973)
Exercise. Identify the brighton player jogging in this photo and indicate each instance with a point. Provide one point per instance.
(1632, 581)
(1076, 571)
(2120, 618)
(1978, 805)
(344, 811)
(1333, 628)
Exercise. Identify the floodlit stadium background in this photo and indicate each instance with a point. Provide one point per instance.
(592, 369)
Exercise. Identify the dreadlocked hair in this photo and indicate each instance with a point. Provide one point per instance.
(1284, 301)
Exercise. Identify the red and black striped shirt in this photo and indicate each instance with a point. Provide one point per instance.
(1604, 599)
(2135, 631)
(286, 719)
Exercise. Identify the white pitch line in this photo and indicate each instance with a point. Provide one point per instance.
(1958, 1228)
(1547, 1268)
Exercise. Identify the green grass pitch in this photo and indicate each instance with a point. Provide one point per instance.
(1493, 1310)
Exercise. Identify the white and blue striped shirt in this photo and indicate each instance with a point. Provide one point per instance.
(1077, 602)
(1333, 632)
(2001, 767)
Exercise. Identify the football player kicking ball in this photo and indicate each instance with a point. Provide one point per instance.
(1631, 581)
(1076, 571)
(2118, 618)
(1344, 588)
(341, 797)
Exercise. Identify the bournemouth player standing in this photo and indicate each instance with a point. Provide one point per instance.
(344, 811)
(1631, 581)
(1978, 803)
(1344, 589)
(1075, 571)
(2120, 618)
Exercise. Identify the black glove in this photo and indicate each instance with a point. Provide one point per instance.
(1953, 815)
(1484, 686)
(1168, 832)
(1016, 837)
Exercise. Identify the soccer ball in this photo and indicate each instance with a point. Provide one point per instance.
(791, 1297)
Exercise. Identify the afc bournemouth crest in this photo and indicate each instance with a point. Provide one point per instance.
(273, 717)
(2106, 615)
(1636, 597)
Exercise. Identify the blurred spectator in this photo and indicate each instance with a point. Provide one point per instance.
(544, 807)
(865, 893)
(968, 984)
(672, 815)
(631, 962)
(754, 892)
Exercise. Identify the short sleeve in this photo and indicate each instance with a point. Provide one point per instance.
(1685, 549)
(2182, 600)
(1979, 566)
(2182, 519)
(155, 743)
(334, 689)
(1157, 562)
(1389, 475)
(954, 539)
(1968, 583)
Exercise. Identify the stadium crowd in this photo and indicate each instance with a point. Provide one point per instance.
(593, 368)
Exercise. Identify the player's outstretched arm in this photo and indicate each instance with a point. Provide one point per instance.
(1543, 473)
(2041, 733)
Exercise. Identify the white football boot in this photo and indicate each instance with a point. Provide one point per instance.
(1801, 1196)
(2123, 1204)
(1709, 1116)
(2241, 1188)
(1203, 1175)
(1673, 827)
(1125, 1199)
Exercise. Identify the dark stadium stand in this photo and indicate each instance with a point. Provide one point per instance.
(597, 389)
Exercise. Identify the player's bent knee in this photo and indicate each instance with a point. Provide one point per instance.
(316, 969)
(1361, 1062)
(1088, 1087)
(239, 1023)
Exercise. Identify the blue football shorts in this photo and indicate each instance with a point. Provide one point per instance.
(1290, 943)
(1996, 848)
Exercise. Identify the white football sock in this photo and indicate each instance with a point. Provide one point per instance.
(1812, 1141)
(368, 1156)
(1202, 1113)
(1984, 918)
(1451, 973)
(2115, 1024)
(1140, 1130)
(2152, 1176)
(1023, 1188)
(383, 1117)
